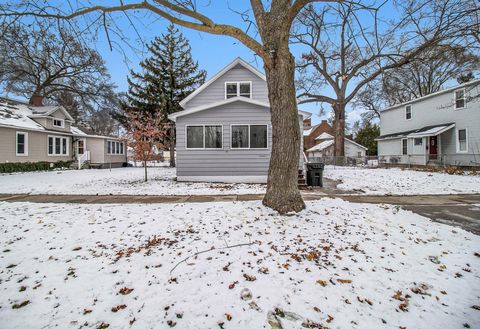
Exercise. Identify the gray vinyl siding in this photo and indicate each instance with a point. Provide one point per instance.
(434, 110)
(215, 92)
(225, 161)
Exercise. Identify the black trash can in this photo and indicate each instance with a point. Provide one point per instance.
(315, 174)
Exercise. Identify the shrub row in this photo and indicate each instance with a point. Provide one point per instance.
(10, 167)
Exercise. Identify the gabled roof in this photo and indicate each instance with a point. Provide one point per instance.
(237, 61)
(42, 111)
(329, 142)
(175, 115)
(17, 115)
(324, 135)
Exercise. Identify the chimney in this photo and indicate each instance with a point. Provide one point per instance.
(36, 100)
(307, 123)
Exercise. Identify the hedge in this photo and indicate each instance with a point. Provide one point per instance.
(10, 167)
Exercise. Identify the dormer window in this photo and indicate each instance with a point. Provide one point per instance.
(58, 123)
(459, 99)
(408, 112)
(235, 89)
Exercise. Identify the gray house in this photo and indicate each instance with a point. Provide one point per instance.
(442, 128)
(224, 133)
(39, 133)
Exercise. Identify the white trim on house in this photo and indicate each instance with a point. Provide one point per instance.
(457, 141)
(249, 145)
(433, 94)
(174, 116)
(54, 148)
(455, 99)
(227, 68)
(238, 83)
(203, 148)
(25, 144)
(262, 179)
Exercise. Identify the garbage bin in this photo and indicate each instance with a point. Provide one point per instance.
(315, 174)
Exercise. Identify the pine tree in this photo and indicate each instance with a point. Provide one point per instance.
(168, 76)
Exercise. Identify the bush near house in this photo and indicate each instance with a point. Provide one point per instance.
(10, 167)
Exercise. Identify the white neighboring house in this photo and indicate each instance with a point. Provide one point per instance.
(47, 134)
(442, 128)
(325, 148)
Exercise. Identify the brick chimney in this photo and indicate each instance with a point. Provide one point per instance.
(307, 123)
(36, 100)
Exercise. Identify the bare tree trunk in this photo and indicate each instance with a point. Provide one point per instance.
(283, 194)
(339, 130)
(172, 146)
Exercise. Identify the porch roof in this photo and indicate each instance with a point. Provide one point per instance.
(432, 130)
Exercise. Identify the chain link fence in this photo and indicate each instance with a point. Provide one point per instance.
(410, 160)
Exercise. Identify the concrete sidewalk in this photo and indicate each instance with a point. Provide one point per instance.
(433, 200)
(456, 210)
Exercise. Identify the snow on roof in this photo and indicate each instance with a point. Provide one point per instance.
(76, 131)
(321, 146)
(48, 110)
(17, 115)
(324, 136)
(308, 131)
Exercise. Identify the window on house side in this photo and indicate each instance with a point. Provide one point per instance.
(22, 144)
(258, 136)
(232, 90)
(240, 137)
(57, 145)
(213, 137)
(404, 146)
(204, 137)
(408, 112)
(58, 123)
(418, 141)
(460, 99)
(462, 140)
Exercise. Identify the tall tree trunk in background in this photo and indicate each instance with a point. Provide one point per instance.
(145, 166)
(339, 129)
(283, 194)
(172, 146)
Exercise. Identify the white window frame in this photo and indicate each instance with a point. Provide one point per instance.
(238, 87)
(203, 126)
(61, 148)
(411, 111)
(119, 147)
(401, 146)
(248, 148)
(457, 141)
(464, 99)
(25, 144)
(62, 123)
(421, 141)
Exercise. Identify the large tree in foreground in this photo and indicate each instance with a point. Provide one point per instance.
(349, 46)
(168, 76)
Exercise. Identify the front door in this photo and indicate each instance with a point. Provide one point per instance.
(433, 148)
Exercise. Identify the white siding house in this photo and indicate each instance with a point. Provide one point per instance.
(224, 133)
(441, 128)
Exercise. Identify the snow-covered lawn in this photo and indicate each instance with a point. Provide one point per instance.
(401, 182)
(337, 264)
(116, 181)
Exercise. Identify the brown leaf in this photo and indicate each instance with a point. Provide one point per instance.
(125, 291)
(86, 311)
(330, 318)
(323, 283)
(228, 316)
(344, 280)
(249, 277)
(117, 308)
